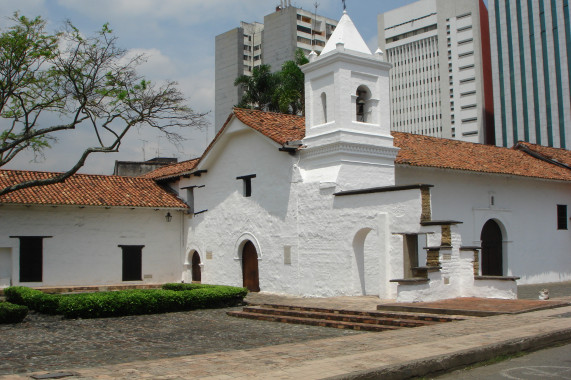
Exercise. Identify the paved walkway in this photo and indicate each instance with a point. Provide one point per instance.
(392, 354)
(397, 354)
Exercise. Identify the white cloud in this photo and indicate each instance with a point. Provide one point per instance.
(185, 12)
(156, 66)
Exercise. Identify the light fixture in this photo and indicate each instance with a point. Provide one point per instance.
(168, 217)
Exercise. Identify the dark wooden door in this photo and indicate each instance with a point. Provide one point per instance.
(132, 262)
(250, 276)
(491, 249)
(31, 259)
(196, 274)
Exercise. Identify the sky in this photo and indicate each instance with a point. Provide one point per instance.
(178, 38)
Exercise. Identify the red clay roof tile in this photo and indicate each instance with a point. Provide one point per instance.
(418, 150)
(88, 190)
(173, 170)
(557, 154)
(279, 127)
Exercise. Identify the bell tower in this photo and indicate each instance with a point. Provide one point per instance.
(348, 140)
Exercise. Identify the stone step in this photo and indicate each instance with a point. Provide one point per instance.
(311, 321)
(329, 315)
(436, 317)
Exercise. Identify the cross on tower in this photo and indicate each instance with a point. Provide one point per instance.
(344, 5)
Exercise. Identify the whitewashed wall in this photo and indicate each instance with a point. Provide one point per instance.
(525, 209)
(83, 249)
(336, 245)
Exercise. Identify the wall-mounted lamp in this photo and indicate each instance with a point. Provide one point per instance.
(168, 217)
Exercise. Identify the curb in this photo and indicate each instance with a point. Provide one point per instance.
(460, 359)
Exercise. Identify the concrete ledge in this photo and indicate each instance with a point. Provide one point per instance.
(497, 278)
(414, 280)
(460, 359)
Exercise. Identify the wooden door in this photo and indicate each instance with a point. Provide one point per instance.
(491, 249)
(31, 259)
(250, 275)
(196, 273)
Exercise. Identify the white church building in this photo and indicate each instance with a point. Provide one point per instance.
(326, 205)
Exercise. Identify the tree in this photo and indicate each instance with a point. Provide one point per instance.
(258, 89)
(87, 82)
(282, 91)
(290, 92)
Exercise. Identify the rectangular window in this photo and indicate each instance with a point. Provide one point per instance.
(410, 249)
(31, 258)
(467, 93)
(132, 262)
(466, 67)
(247, 181)
(464, 28)
(561, 217)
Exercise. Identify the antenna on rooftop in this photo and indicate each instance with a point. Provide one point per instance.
(145, 142)
(159, 145)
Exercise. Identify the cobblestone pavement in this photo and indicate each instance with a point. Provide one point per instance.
(397, 354)
(48, 343)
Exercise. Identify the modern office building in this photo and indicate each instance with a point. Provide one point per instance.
(441, 82)
(274, 42)
(531, 60)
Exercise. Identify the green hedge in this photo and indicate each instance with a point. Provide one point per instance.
(11, 313)
(128, 302)
(178, 286)
(33, 299)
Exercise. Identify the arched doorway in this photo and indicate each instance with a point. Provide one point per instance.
(196, 272)
(492, 249)
(367, 262)
(250, 275)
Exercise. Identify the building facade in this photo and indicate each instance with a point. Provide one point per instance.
(441, 79)
(274, 42)
(531, 62)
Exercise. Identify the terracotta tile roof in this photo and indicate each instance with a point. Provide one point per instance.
(560, 155)
(418, 150)
(415, 150)
(279, 127)
(173, 170)
(88, 190)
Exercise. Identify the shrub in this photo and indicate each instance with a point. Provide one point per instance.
(178, 286)
(134, 302)
(33, 299)
(174, 297)
(11, 313)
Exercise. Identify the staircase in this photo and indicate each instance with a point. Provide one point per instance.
(342, 319)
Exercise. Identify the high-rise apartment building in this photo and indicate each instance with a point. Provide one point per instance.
(441, 77)
(274, 42)
(531, 60)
